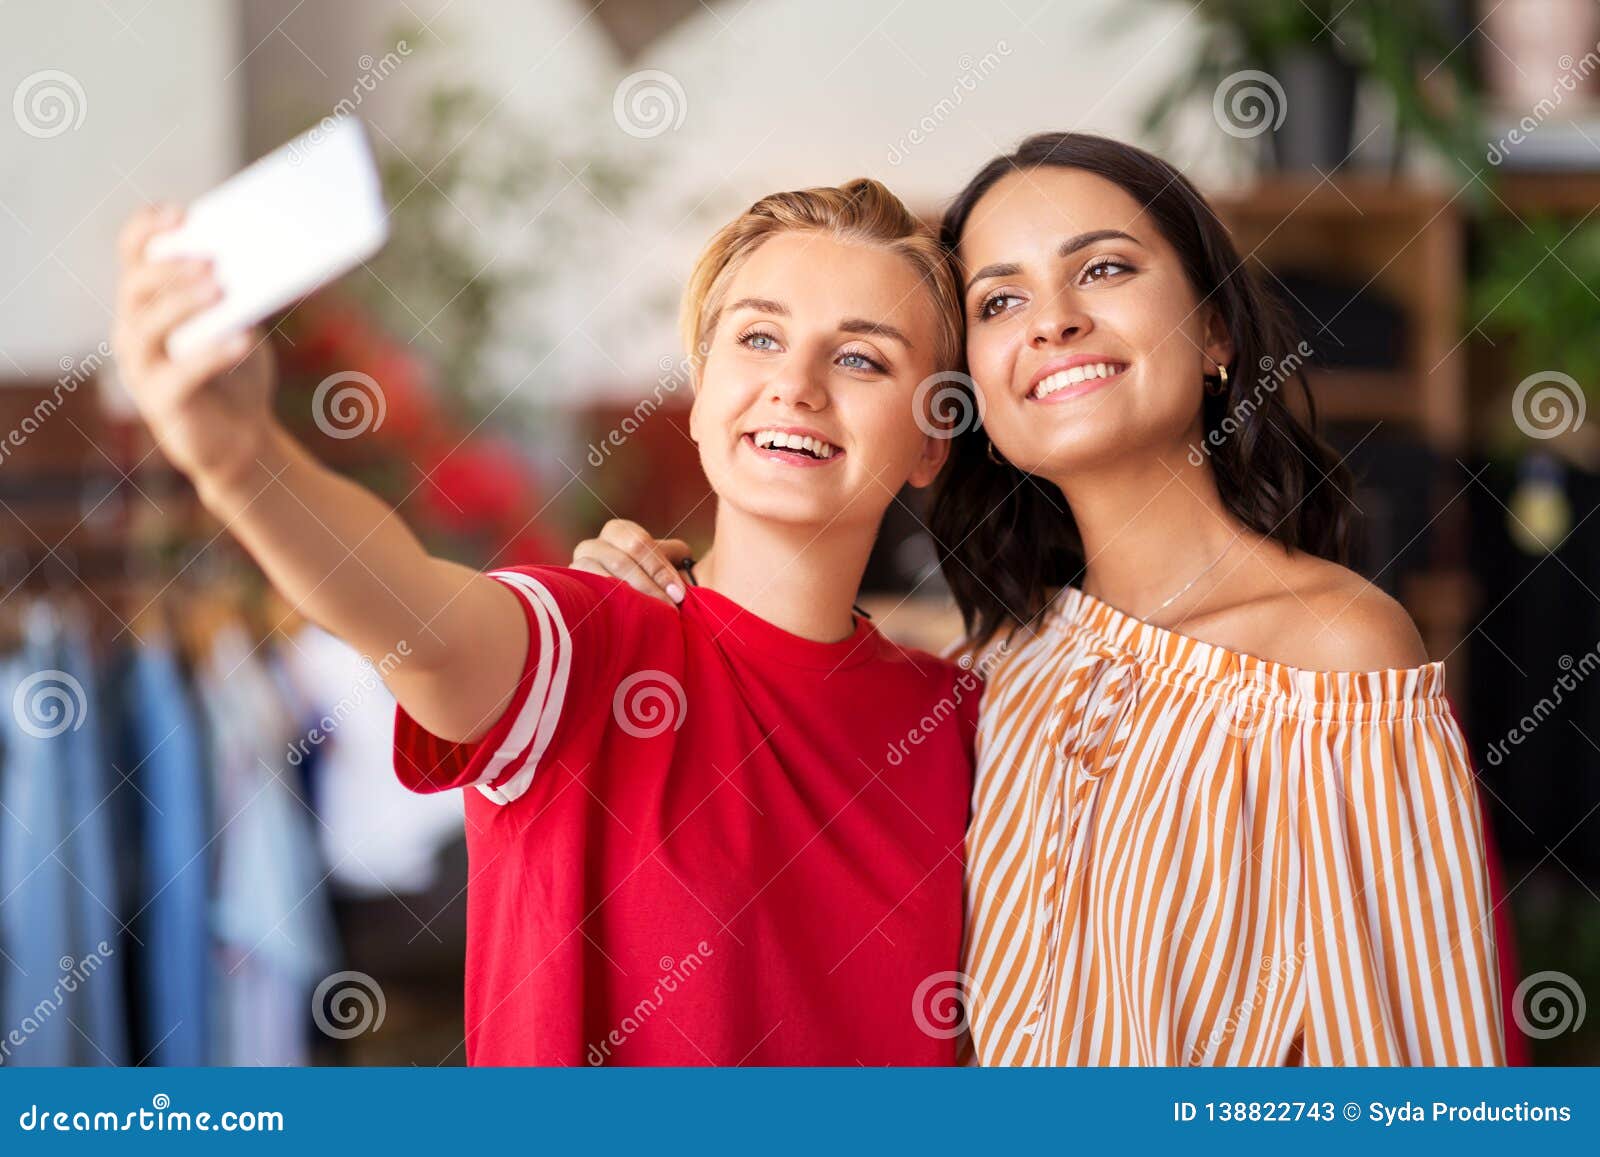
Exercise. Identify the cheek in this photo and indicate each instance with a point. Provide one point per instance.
(713, 401)
(992, 361)
(1165, 323)
(885, 429)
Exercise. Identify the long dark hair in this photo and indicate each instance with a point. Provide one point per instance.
(1005, 539)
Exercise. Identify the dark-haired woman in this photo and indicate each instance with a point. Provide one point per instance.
(1223, 814)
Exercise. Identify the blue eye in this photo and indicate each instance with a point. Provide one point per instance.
(750, 340)
(853, 359)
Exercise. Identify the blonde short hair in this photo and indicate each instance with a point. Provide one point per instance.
(862, 211)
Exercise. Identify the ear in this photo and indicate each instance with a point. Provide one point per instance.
(1217, 342)
(935, 452)
(694, 404)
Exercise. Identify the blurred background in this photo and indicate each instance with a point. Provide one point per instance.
(203, 855)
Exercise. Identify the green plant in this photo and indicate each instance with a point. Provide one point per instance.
(484, 210)
(1408, 48)
(1539, 287)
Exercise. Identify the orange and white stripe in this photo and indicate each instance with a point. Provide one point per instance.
(1180, 854)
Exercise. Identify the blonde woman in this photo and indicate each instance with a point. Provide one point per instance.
(689, 842)
(1223, 813)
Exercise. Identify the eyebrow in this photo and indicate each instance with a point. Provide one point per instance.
(760, 305)
(867, 328)
(857, 325)
(1066, 249)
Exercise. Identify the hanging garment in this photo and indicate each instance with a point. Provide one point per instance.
(378, 838)
(273, 923)
(161, 747)
(60, 940)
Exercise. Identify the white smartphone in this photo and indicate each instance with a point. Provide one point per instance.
(294, 220)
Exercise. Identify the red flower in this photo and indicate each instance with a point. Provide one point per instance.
(480, 484)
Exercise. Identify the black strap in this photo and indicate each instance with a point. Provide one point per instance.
(688, 569)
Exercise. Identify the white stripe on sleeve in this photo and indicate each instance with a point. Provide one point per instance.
(536, 721)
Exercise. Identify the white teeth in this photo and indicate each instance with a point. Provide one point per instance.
(778, 440)
(1060, 381)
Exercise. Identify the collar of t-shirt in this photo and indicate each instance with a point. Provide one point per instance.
(733, 626)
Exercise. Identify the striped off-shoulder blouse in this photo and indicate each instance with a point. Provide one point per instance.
(1182, 855)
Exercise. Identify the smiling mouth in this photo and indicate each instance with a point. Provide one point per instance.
(794, 448)
(1076, 376)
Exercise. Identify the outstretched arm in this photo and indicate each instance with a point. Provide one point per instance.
(332, 548)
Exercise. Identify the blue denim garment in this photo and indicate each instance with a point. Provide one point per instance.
(164, 747)
(88, 848)
(61, 972)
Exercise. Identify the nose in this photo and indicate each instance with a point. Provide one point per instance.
(797, 384)
(1059, 320)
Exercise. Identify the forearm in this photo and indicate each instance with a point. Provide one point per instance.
(339, 554)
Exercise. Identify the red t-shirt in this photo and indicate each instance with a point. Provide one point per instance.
(699, 839)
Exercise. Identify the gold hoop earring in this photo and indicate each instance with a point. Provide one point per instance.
(995, 458)
(1220, 386)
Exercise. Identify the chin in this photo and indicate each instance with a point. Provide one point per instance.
(785, 510)
(1053, 445)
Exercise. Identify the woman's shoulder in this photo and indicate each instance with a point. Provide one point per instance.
(1318, 615)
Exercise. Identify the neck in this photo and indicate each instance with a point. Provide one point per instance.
(1149, 525)
(792, 576)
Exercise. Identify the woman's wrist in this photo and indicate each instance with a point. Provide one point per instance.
(227, 487)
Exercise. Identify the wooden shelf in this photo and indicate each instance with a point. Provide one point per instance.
(1357, 396)
(1402, 242)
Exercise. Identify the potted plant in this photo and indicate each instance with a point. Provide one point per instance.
(1539, 287)
(1289, 70)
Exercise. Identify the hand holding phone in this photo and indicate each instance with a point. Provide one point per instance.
(297, 218)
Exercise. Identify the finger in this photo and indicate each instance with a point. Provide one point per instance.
(144, 223)
(589, 566)
(143, 283)
(619, 564)
(169, 311)
(211, 360)
(641, 546)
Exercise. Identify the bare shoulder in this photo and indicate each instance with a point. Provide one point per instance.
(1329, 618)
